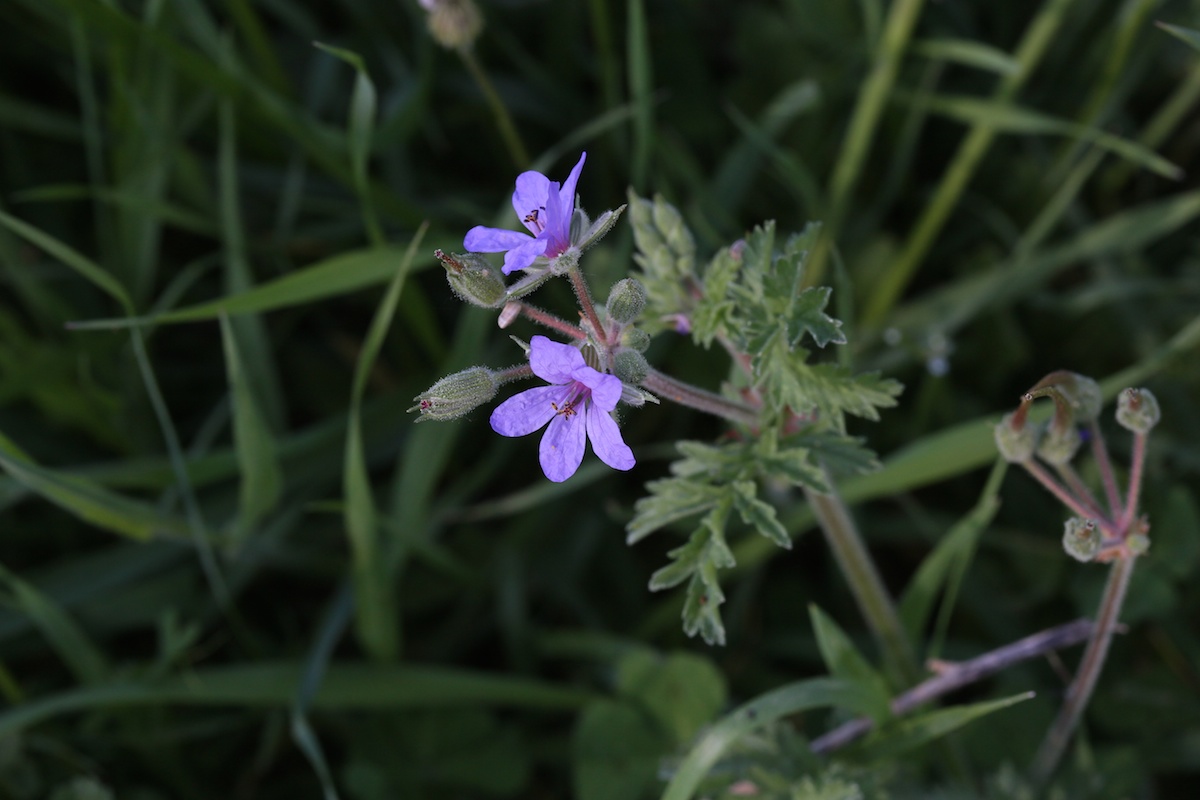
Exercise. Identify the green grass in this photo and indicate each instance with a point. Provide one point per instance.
(233, 566)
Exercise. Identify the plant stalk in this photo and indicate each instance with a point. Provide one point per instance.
(1081, 688)
(865, 582)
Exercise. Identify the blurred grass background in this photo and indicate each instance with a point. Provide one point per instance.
(217, 297)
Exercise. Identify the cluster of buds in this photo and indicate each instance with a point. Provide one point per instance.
(1096, 532)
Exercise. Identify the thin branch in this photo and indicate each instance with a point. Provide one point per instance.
(954, 676)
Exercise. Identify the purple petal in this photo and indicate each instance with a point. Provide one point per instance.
(606, 440)
(567, 192)
(524, 413)
(554, 362)
(493, 240)
(606, 389)
(530, 196)
(523, 254)
(561, 450)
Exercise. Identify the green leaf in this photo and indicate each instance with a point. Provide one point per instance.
(946, 567)
(681, 691)
(909, 734)
(87, 500)
(1189, 36)
(85, 660)
(968, 53)
(258, 461)
(759, 515)
(666, 252)
(760, 712)
(1015, 119)
(615, 750)
(846, 663)
(808, 316)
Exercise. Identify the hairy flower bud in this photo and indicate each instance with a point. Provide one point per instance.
(626, 301)
(630, 366)
(1016, 444)
(1086, 396)
(1138, 543)
(635, 339)
(473, 278)
(457, 394)
(1137, 410)
(1059, 445)
(454, 24)
(586, 232)
(1081, 538)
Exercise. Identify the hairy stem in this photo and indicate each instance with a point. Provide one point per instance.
(1066, 498)
(700, 399)
(1135, 481)
(865, 583)
(550, 320)
(1081, 687)
(584, 294)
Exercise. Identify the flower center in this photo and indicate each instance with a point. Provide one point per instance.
(533, 218)
(579, 394)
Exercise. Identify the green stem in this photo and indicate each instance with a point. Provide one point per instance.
(1081, 688)
(865, 583)
(508, 131)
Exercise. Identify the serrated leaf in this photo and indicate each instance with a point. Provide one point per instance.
(713, 312)
(759, 515)
(808, 315)
(670, 500)
(702, 608)
(666, 252)
(841, 454)
(833, 392)
(798, 465)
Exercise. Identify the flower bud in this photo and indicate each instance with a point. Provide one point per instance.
(1137, 410)
(635, 339)
(626, 301)
(1059, 445)
(457, 394)
(1086, 397)
(1016, 444)
(1081, 538)
(630, 366)
(473, 278)
(454, 24)
(1138, 543)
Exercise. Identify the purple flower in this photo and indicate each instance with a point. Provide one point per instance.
(545, 208)
(577, 402)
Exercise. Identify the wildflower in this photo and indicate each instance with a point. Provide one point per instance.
(545, 208)
(577, 402)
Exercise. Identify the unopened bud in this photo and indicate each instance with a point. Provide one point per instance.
(635, 339)
(1016, 444)
(1059, 445)
(630, 366)
(1137, 410)
(1138, 543)
(473, 279)
(1086, 396)
(626, 301)
(1081, 538)
(454, 24)
(457, 394)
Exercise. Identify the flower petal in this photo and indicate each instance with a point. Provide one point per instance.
(554, 362)
(606, 439)
(523, 254)
(493, 240)
(606, 389)
(530, 196)
(567, 193)
(561, 450)
(524, 413)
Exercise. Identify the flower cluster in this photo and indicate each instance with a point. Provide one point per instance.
(578, 404)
